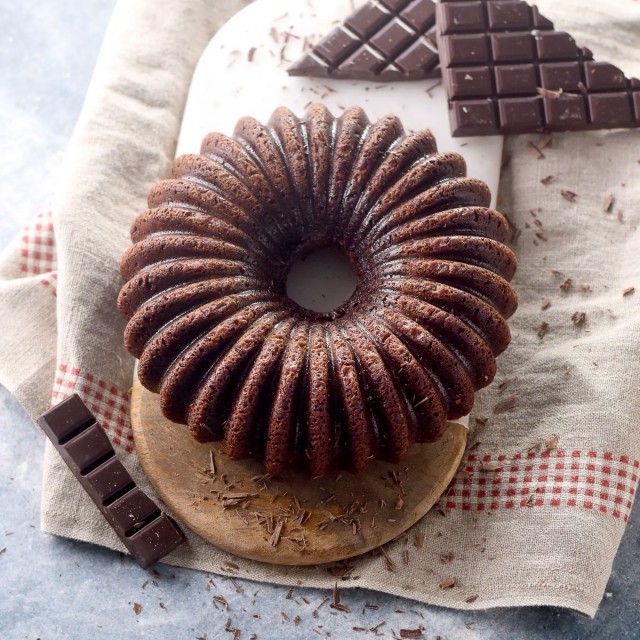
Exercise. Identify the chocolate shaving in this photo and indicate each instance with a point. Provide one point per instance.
(566, 285)
(447, 583)
(546, 180)
(472, 598)
(570, 196)
(542, 329)
(336, 604)
(535, 150)
(628, 291)
(412, 633)
(545, 141)
(608, 203)
(419, 540)
(275, 538)
(389, 563)
(552, 443)
(579, 318)
(546, 303)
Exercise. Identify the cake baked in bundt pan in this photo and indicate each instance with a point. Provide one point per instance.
(237, 360)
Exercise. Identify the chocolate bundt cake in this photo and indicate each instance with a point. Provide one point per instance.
(234, 358)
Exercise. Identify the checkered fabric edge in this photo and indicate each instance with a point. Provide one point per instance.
(38, 250)
(600, 481)
(109, 404)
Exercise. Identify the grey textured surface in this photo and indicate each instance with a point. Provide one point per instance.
(56, 588)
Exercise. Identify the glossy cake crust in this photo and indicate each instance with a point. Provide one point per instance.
(236, 360)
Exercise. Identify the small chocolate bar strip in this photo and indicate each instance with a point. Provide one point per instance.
(145, 531)
(506, 69)
(382, 41)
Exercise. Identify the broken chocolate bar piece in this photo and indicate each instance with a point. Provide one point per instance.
(507, 70)
(383, 41)
(145, 531)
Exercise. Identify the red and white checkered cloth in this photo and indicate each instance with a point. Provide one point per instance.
(536, 511)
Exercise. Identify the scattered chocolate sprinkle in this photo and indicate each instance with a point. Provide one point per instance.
(542, 329)
(162, 605)
(405, 557)
(546, 303)
(472, 598)
(447, 583)
(570, 196)
(535, 150)
(290, 593)
(608, 203)
(628, 291)
(419, 540)
(137, 608)
(579, 318)
(447, 558)
(546, 180)
(412, 633)
(222, 600)
(285, 616)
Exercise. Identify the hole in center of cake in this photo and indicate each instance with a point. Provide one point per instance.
(322, 280)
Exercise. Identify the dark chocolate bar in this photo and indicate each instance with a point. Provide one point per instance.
(383, 41)
(145, 531)
(507, 70)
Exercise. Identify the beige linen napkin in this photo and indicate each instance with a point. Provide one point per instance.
(536, 512)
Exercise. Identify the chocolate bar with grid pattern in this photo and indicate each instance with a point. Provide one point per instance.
(507, 70)
(145, 531)
(383, 41)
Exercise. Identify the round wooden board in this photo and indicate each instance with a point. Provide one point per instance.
(293, 520)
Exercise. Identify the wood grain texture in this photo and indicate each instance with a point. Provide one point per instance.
(293, 520)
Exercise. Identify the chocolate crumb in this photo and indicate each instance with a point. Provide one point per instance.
(137, 608)
(542, 330)
(472, 598)
(628, 291)
(251, 53)
(419, 540)
(447, 558)
(579, 318)
(447, 583)
(570, 196)
(546, 303)
(412, 633)
(546, 180)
